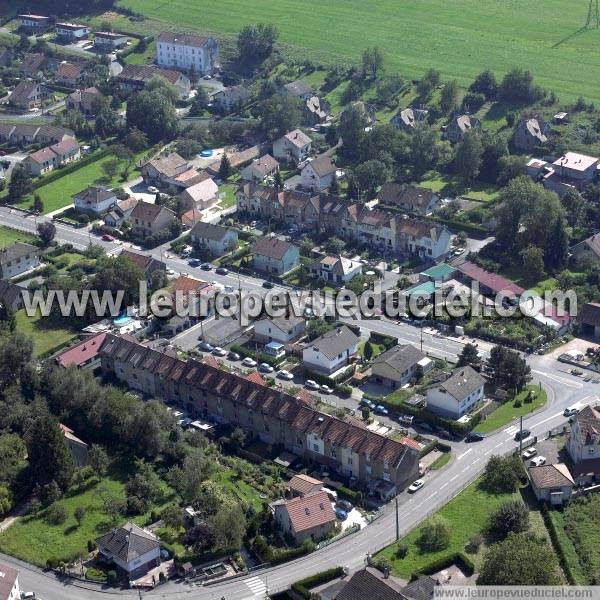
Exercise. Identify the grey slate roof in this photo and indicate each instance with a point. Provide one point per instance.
(400, 358)
(16, 251)
(271, 247)
(95, 194)
(370, 584)
(9, 292)
(128, 542)
(462, 382)
(209, 231)
(335, 341)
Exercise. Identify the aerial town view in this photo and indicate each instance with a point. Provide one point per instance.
(299, 299)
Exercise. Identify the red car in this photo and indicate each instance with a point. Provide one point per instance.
(108, 238)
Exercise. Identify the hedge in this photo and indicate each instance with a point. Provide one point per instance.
(386, 340)
(258, 356)
(352, 495)
(303, 586)
(462, 560)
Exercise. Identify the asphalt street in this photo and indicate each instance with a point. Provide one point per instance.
(563, 390)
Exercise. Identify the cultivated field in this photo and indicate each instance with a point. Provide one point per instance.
(458, 37)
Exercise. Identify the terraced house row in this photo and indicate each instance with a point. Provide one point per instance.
(387, 231)
(369, 460)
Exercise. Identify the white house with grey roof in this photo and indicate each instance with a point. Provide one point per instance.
(95, 200)
(399, 366)
(458, 394)
(130, 548)
(17, 259)
(218, 240)
(283, 329)
(336, 269)
(318, 174)
(332, 351)
(274, 256)
(294, 147)
(187, 51)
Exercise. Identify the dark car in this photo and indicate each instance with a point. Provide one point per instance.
(268, 285)
(344, 505)
(233, 355)
(222, 271)
(522, 435)
(194, 262)
(206, 266)
(473, 436)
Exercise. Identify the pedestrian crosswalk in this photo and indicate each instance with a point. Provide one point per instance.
(257, 586)
(512, 429)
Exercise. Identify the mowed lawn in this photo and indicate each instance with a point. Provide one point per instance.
(460, 38)
(508, 412)
(9, 236)
(473, 502)
(48, 333)
(58, 193)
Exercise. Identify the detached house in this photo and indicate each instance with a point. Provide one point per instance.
(260, 169)
(32, 65)
(530, 134)
(305, 517)
(583, 445)
(9, 584)
(552, 483)
(588, 320)
(318, 174)
(163, 170)
(49, 158)
(231, 97)
(274, 256)
(409, 198)
(84, 101)
(201, 195)
(408, 119)
(399, 366)
(422, 238)
(107, 41)
(187, 51)
(587, 251)
(95, 200)
(28, 95)
(298, 88)
(68, 74)
(17, 259)
(314, 111)
(120, 212)
(34, 23)
(459, 125)
(135, 77)
(71, 31)
(292, 147)
(336, 269)
(572, 171)
(283, 330)
(149, 219)
(332, 351)
(458, 394)
(218, 240)
(150, 266)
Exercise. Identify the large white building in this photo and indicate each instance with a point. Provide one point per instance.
(187, 51)
(457, 395)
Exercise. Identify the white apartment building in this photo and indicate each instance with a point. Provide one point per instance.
(187, 51)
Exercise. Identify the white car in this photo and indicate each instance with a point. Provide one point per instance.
(416, 486)
(265, 368)
(283, 374)
(538, 461)
(218, 351)
(152, 190)
(312, 385)
(529, 453)
(325, 389)
(248, 362)
(170, 272)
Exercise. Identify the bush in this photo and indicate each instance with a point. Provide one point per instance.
(510, 516)
(401, 550)
(52, 563)
(111, 577)
(91, 546)
(344, 390)
(56, 514)
(434, 535)
(474, 544)
(303, 586)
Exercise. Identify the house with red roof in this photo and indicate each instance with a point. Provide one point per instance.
(84, 355)
(305, 517)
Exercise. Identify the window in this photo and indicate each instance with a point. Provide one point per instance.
(316, 447)
(350, 462)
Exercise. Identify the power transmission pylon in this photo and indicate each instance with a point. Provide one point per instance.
(593, 18)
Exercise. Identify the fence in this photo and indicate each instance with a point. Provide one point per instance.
(345, 533)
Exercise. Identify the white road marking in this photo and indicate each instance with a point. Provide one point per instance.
(488, 452)
(256, 585)
(430, 497)
(464, 453)
(443, 486)
(574, 384)
(453, 478)
(498, 445)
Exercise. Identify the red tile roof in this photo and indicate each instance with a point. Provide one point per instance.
(256, 377)
(83, 352)
(306, 512)
(493, 281)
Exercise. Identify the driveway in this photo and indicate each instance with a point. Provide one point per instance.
(139, 190)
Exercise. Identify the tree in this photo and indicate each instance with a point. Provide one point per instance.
(434, 535)
(509, 167)
(98, 460)
(575, 207)
(172, 517)
(533, 263)
(46, 230)
(517, 86)
(449, 97)
(255, 44)
(503, 474)
(506, 368)
(510, 516)
(334, 187)
(372, 61)
(520, 559)
(79, 514)
(224, 168)
(472, 102)
(280, 114)
(228, 526)
(368, 352)
(467, 160)
(278, 180)
(38, 205)
(125, 155)
(485, 83)
(48, 453)
(110, 167)
(56, 514)
(335, 245)
(351, 129)
(469, 356)
(136, 140)
(24, 43)
(20, 184)
(370, 175)
(200, 537)
(556, 252)
(153, 114)
(423, 153)
(428, 83)
(188, 478)
(388, 87)
(106, 122)
(199, 103)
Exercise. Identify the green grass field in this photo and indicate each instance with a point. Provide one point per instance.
(508, 412)
(459, 38)
(46, 332)
(9, 236)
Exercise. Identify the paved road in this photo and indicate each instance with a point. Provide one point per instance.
(563, 390)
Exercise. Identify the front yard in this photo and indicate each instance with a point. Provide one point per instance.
(9, 236)
(513, 409)
(48, 333)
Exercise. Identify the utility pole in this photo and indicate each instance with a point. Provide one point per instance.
(397, 521)
(521, 437)
(421, 337)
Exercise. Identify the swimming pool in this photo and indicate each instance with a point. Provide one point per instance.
(206, 153)
(122, 319)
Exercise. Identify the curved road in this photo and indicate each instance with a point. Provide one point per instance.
(563, 390)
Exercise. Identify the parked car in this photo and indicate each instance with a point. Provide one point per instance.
(368, 403)
(222, 271)
(233, 355)
(265, 368)
(345, 505)
(194, 262)
(286, 375)
(249, 362)
(312, 385)
(170, 271)
(473, 436)
(426, 427)
(569, 412)
(522, 435)
(206, 347)
(406, 419)
(108, 238)
(529, 453)
(415, 486)
(218, 351)
(538, 461)
(381, 410)
(325, 389)
(206, 266)
(340, 514)
(268, 285)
